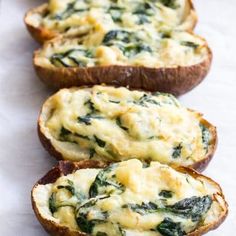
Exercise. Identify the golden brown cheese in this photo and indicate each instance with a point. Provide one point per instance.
(127, 199)
(118, 124)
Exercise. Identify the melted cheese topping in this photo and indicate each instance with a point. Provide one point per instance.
(74, 17)
(121, 47)
(127, 199)
(119, 124)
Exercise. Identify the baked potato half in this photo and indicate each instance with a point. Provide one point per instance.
(127, 198)
(72, 18)
(170, 61)
(116, 124)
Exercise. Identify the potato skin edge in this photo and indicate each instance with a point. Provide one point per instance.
(176, 80)
(67, 167)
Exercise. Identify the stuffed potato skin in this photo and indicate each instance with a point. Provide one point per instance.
(66, 167)
(41, 34)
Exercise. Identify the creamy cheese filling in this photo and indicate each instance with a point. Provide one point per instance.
(119, 124)
(75, 17)
(121, 47)
(128, 198)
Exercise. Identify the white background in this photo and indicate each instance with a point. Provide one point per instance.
(22, 159)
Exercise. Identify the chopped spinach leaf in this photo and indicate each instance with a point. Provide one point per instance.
(119, 35)
(170, 228)
(166, 194)
(205, 136)
(134, 49)
(70, 10)
(82, 212)
(146, 99)
(189, 44)
(91, 106)
(116, 13)
(103, 180)
(82, 136)
(64, 132)
(92, 152)
(142, 19)
(119, 123)
(145, 9)
(84, 224)
(170, 3)
(193, 207)
(101, 234)
(177, 151)
(87, 119)
(52, 203)
(99, 142)
(143, 209)
(112, 101)
(71, 188)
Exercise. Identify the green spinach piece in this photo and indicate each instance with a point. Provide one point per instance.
(71, 188)
(205, 136)
(82, 212)
(189, 44)
(58, 57)
(143, 209)
(87, 119)
(102, 181)
(119, 123)
(64, 132)
(190, 208)
(91, 106)
(170, 3)
(52, 203)
(92, 152)
(177, 151)
(116, 13)
(117, 35)
(134, 49)
(101, 234)
(170, 228)
(166, 194)
(70, 10)
(145, 8)
(99, 142)
(146, 99)
(193, 207)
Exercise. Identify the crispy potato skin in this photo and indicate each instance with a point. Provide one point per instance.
(41, 34)
(199, 166)
(176, 80)
(66, 167)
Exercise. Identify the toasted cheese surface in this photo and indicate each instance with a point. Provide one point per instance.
(118, 124)
(77, 17)
(147, 48)
(128, 198)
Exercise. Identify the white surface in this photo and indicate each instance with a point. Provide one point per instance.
(22, 159)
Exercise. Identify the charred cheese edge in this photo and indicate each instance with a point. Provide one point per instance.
(73, 17)
(130, 199)
(147, 48)
(117, 124)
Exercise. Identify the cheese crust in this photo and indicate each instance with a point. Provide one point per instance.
(117, 124)
(72, 18)
(128, 198)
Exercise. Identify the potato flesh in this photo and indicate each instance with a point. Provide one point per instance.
(142, 185)
(123, 124)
